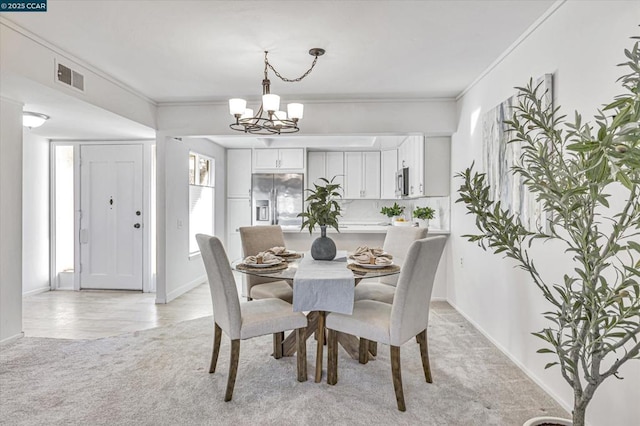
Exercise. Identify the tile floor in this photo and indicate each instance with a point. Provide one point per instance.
(89, 314)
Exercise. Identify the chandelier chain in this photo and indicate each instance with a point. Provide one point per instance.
(289, 80)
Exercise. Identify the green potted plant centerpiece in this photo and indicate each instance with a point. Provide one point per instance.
(394, 213)
(322, 210)
(424, 214)
(586, 181)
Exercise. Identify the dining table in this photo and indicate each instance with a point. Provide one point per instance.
(334, 299)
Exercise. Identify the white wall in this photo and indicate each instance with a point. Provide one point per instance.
(35, 214)
(432, 117)
(10, 219)
(581, 43)
(27, 55)
(175, 268)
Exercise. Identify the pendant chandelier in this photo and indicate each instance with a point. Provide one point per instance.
(270, 119)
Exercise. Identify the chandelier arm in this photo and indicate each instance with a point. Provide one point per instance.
(289, 80)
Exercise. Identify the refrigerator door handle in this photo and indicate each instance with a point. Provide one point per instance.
(275, 206)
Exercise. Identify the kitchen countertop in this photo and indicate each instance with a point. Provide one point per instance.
(357, 228)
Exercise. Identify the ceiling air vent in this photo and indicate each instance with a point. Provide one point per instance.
(69, 77)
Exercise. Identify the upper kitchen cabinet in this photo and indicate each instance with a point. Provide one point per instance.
(389, 167)
(362, 175)
(428, 161)
(238, 173)
(278, 160)
(325, 165)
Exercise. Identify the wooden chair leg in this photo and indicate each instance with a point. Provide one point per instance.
(424, 354)
(301, 356)
(373, 348)
(332, 357)
(233, 368)
(217, 336)
(364, 351)
(397, 377)
(320, 334)
(277, 344)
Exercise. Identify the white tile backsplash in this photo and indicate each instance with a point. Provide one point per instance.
(368, 211)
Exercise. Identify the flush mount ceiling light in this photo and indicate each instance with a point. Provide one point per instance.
(33, 119)
(270, 120)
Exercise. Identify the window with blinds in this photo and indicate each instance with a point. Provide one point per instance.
(201, 198)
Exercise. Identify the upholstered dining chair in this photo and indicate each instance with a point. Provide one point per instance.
(396, 242)
(396, 323)
(244, 320)
(254, 240)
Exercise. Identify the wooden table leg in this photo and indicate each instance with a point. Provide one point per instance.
(321, 316)
(289, 344)
(350, 343)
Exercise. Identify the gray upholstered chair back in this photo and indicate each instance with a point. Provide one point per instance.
(224, 294)
(410, 309)
(256, 239)
(397, 242)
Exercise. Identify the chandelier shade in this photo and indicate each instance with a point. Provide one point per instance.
(270, 119)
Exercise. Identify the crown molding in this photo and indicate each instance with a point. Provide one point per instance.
(315, 101)
(513, 46)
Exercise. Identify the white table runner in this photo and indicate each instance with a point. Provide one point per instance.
(321, 285)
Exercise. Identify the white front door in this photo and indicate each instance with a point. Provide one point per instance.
(111, 217)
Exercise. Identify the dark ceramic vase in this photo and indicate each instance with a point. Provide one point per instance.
(323, 247)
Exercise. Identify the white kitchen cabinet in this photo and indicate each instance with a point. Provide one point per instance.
(362, 175)
(411, 156)
(416, 168)
(239, 173)
(388, 169)
(325, 165)
(289, 159)
(335, 167)
(238, 214)
(316, 167)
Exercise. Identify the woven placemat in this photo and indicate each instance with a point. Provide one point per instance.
(357, 268)
(291, 256)
(274, 268)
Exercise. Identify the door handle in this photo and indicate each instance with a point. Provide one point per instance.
(136, 225)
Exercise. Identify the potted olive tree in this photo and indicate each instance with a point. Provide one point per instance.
(322, 210)
(572, 169)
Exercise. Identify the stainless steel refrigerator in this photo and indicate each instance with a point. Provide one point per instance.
(276, 199)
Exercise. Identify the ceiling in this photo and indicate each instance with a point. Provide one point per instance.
(183, 51)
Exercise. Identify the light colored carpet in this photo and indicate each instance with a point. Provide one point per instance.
(159, 377)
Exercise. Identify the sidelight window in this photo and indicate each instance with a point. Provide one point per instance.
(201, 198)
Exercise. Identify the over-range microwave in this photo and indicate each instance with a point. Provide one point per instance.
(402, 182)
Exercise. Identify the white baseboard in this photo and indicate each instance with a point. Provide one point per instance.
(183, 289)
(11, 339)
(36, 291)
(439, 299)
(521, 366)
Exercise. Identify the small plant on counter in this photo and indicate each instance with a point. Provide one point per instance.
(423, 213)
(394, 210)
(322, 208)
